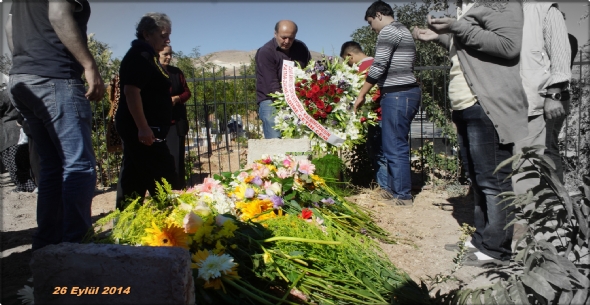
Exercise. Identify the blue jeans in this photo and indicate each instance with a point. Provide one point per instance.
(375, 147)
(60, 119)
(398, 110)
(481, 152)
(266, 112)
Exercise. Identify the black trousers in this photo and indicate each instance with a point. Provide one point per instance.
(176, 144)
(142, 167)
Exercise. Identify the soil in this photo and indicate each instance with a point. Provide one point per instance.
(421, 231)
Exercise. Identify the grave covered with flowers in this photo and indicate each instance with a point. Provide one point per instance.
(272, 233)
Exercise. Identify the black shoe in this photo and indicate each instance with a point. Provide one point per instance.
(455, 247)
(471, 260)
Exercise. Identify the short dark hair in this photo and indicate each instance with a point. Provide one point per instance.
(379, 7)
(277, 26)
(350, 46)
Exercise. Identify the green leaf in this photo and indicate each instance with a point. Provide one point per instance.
(581, 297)
(538, 284)
(521, 292)
(566, 297)
(558, 280)
(548, 246)
(530, 151)
(476, 297)
(295, 204)
(502, 295)
(508, 161)
(488, 299)
(573, 271)
(548, 161)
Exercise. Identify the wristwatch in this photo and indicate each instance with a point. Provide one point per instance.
(554, 96)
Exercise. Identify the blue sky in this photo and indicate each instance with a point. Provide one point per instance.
(231, 25)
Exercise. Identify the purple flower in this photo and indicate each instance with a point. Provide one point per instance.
(277, 201)
(329, 200)
(257, 181)
(330, 58)
(249, 193)
(315, 204)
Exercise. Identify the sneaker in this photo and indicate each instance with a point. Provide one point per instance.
(472, 260)
(400, 202)
(456, 247)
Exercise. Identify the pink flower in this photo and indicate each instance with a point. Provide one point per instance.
(192, 222)
(263, 172)
(287, 162)
(209, 185)
(283, 173)
(306, 167)
(242, 176)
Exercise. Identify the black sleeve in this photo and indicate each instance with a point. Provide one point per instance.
(136, 71)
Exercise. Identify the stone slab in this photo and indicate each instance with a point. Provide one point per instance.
(299, 148)
(112, 274)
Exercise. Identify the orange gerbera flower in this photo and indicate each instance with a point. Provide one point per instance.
(170, 236)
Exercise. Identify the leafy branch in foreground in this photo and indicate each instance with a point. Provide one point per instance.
(552, 259)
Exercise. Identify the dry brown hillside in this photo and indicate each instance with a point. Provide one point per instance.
(234, 58)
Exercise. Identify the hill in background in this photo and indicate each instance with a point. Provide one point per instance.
(231, 59)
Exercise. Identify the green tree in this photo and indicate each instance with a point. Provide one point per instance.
(107, 163)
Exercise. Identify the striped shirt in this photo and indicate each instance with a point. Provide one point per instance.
(557, 46)
(395, 55)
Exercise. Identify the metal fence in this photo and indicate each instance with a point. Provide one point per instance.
(223, 116)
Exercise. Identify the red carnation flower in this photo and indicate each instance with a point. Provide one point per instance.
(320, 104)
(304, 81)
(329, 108)
(306, 213)
(363, 119)
(314, 77)
(315, 88)
(339, 91)
(336, 100)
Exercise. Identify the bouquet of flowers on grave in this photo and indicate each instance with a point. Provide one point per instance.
(274, 186)
(327, 89)
(281, 255)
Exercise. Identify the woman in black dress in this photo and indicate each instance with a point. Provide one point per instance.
(145, 111)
